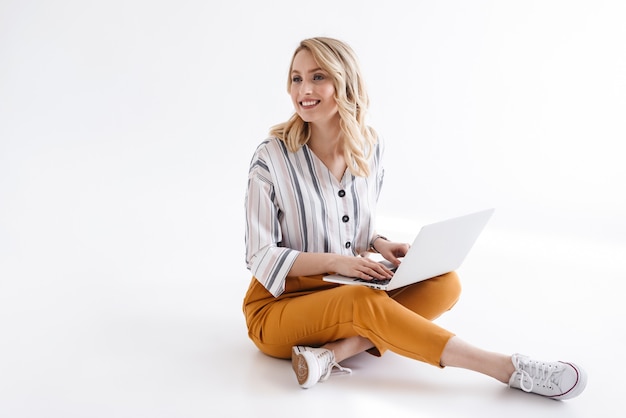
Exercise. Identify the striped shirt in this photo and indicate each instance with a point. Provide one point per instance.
(294, 204)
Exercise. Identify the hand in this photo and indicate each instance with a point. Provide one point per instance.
(362, 267)
(392, 251)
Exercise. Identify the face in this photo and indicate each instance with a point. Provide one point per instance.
(312, 90)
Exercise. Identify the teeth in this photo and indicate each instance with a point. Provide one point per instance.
(309, 103)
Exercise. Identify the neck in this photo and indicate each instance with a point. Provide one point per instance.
(328, 146)
(326, 140)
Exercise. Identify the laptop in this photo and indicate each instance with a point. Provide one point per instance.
(438, 248)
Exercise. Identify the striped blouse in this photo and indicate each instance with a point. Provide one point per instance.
(294, 204)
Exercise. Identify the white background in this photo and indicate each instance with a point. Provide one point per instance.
(126, 128)
(143, 113)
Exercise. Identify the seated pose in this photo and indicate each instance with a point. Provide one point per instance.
(310, 206)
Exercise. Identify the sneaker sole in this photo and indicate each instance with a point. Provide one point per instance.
(298, 363)
(301, 367)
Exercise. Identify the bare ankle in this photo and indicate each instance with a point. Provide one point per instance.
(507, 369)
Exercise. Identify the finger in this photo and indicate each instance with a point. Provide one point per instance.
(387, 270)
(394, 261)
(380, 272)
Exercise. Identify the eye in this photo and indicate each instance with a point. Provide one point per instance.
(296, 79)
(318, 77)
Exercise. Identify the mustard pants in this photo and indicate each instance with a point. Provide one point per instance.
(312, 312)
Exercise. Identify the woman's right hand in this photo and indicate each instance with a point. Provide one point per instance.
(361, 267)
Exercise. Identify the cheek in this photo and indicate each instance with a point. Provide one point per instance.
(329, 92)
(293, 93)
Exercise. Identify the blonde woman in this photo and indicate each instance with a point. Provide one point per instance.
(310, 209)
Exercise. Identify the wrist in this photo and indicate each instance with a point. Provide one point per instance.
(333, 262)
(373, 241)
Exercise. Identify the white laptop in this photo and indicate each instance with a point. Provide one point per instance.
(439, 248)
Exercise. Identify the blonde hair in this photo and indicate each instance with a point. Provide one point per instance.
(340, 62)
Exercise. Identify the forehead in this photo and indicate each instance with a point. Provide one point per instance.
(304, 62)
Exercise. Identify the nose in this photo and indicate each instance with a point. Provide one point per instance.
(306, 87)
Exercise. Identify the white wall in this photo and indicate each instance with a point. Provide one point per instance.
(126, 127)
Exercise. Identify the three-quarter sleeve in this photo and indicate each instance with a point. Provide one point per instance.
(267, 261)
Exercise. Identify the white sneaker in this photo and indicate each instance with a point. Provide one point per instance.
(555, 380)
(313, 365)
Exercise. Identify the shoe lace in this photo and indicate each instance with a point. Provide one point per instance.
(327, 358)
(537, 372)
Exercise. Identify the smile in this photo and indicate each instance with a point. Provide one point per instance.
(309, 103)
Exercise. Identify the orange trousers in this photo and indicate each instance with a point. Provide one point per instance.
(312, 312)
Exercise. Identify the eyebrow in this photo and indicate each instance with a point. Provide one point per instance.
(311, 71)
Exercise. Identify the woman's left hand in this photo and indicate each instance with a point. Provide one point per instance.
(392, 251)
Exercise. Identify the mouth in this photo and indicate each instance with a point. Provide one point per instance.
(308, 104)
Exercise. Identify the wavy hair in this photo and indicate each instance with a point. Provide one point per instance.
(340, 62)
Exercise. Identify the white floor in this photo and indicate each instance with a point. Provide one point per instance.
(142, 331)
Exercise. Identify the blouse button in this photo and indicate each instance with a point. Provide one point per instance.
(348, 245)
(345, 218)
(341, 193)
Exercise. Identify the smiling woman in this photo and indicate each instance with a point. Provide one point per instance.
(313, 186)
(335, 99)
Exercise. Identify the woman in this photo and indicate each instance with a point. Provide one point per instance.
(310, 210)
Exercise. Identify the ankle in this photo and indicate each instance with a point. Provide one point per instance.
(507, 369)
